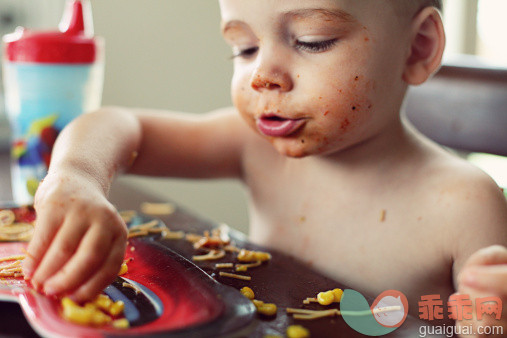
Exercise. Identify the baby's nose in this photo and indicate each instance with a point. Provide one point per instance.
(271, 80)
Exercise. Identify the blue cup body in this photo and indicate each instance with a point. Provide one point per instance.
(41, 99)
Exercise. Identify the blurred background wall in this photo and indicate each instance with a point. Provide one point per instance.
(170, 55)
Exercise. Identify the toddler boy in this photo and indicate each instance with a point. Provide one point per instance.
(334, 176)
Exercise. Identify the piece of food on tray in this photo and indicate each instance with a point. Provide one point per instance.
(219, 238)
(17, 224)
(326, 297)
(247, 292)
(253, 256)
(99, 312)
(245, 267)
(266, 309)
(297, 331)
(235, 276)
(211, 255)
(10, 266)
(124, 267)
(305, 314)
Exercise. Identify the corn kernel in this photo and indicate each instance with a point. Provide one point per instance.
(267, 309)
(67, 302)
(247, 292)
(241, 268)
(78, 315)
(103, 302)
(262, 256)
(325, 298)
(99, 318)
(121, 323)
(257, 303)
(75, 313)
(116, 308)
(338, 293)
(297, 331)
(90, 306)
(124, 269)
(253, 256)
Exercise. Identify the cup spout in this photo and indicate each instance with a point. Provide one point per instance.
(77, 18)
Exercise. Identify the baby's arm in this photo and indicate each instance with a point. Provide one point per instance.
(485, 275)
(480, 266)
(79, 241)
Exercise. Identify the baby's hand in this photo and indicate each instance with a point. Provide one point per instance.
(79, 240)
(485, 275)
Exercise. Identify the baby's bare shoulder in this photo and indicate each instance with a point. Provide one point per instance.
(466, 190)
(468, 204)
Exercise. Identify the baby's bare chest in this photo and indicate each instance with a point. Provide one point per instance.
(353, 231)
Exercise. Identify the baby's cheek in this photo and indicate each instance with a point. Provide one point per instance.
(346, 108)
(238, 90)
(242, 101)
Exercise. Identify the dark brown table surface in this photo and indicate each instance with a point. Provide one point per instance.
(283, 281)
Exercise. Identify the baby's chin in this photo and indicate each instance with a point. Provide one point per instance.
(294, 148)
(294, 153)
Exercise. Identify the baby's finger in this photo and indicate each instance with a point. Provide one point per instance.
(105, 276)
(490, 278)
(495, 254)
(46, 227)
(92, 250)
(64, 245)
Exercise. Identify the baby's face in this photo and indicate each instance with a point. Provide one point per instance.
(316, 76)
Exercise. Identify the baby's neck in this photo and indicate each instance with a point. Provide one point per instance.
(384, 149)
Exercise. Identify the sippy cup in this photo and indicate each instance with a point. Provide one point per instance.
(50, 78)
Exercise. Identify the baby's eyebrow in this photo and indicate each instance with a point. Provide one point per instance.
(321, 13)
(230, 25)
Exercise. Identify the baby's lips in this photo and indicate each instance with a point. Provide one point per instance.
(278, 127)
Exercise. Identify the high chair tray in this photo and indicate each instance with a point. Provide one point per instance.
(174, 298)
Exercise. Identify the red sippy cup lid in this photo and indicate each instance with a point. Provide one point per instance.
(73, 43)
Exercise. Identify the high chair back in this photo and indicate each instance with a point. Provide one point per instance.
(463, 107)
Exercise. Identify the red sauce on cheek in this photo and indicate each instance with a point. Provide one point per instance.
(345, 123)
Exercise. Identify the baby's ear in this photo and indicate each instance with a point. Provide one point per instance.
(426, 48)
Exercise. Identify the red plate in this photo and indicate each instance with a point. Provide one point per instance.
(177, 298)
